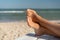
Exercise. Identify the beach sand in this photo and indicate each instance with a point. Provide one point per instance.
(13, 30)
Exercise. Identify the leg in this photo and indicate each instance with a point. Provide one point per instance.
(52, 27)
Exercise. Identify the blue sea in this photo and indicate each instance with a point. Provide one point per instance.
(20, 14)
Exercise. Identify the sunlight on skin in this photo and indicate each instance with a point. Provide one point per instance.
(29, 20)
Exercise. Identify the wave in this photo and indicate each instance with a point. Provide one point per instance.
(12, 11)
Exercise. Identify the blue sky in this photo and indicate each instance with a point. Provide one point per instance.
(30, 4)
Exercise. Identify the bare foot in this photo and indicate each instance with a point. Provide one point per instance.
(31, 19)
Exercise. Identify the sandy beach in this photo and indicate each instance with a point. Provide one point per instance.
(13, 30)
(10, 30)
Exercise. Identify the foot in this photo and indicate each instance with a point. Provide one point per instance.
(31, 19)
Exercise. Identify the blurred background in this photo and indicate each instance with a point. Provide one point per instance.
(15, 9)
(13, 15)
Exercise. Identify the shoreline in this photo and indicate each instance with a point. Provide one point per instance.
(4, 21)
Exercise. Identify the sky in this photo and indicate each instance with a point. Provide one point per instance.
(43, 4)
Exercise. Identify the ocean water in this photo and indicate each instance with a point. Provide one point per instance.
(20, 14)
(12, 14)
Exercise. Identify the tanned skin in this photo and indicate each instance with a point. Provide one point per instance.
(41, 25)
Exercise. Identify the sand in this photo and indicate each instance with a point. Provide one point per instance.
(13, 30)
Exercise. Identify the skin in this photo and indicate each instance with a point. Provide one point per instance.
(41, 25)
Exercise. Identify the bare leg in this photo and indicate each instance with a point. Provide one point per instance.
(53, 29)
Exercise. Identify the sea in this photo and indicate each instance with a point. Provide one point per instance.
(20, 14)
